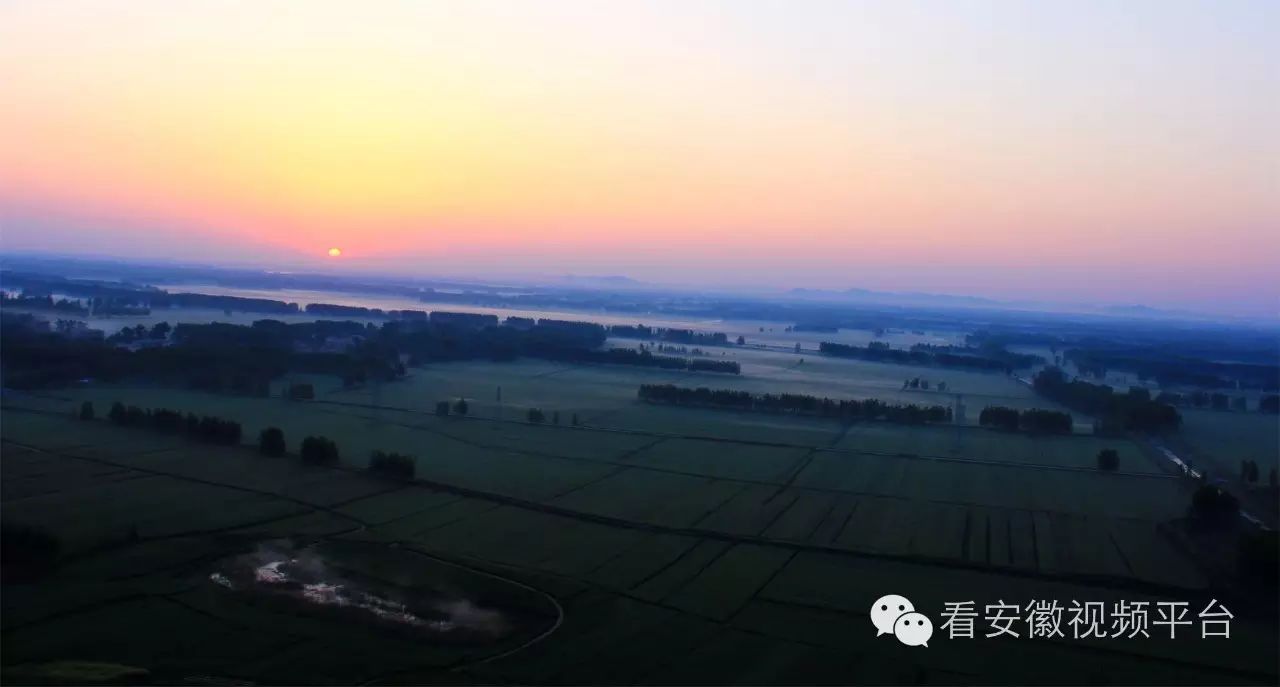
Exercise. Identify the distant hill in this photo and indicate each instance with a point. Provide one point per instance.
(890, 297)
(603, 280)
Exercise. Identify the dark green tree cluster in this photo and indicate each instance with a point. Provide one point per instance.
(1174, 364)
(209, 429)
(46, 302)
(271, 442)
(800, 404)
(1116, 411)
(1034, 420)
(879, 351)
(1215, 506)
(684, 336)
(393, 465)
(999, 417)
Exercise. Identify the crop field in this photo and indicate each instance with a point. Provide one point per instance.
(662, 559)
(965, 495)
(693, 535)
(605, 394)
(1225, 439)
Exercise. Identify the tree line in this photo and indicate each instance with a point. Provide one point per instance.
(314, 450)
(1031, 420)
(1173, 368)
(1217, 401)
(684, 336)
(1115, 412)
(209, 429)
(243, 359)
(331, 310)
(878, 351)
(799, 404)
(46, 302)
(987, 350)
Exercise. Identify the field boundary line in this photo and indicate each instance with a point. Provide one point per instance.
(197, 480)
(715, 478)
(749, 442)
(502, 499)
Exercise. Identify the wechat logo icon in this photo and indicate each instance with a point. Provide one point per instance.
(895, 615)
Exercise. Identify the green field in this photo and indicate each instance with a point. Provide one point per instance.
(1225, 438)
(671, 545)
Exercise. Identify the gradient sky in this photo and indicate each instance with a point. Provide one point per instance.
(1076, 151)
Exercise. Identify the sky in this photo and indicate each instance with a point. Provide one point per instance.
(1119, 152)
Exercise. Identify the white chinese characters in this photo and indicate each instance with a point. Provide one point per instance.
(1050, 619)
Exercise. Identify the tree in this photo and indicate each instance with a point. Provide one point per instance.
(302, 392)
(271, 442)
(161, 330)
(86, 411)
(1108, 459)
(1212, 505)
(574, 421)
(535, 415)
(555, 418)
(394, 465)
(460, 406)
(166, 420)
(319, 451)
(117, 413)
(741, 341)
(442, 408)
(999, 417)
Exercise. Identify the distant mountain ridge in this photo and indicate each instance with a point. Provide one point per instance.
(889, 296)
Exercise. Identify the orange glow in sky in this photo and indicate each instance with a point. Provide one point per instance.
(1080, 150)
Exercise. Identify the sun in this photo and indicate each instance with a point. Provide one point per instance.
(335, 252)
